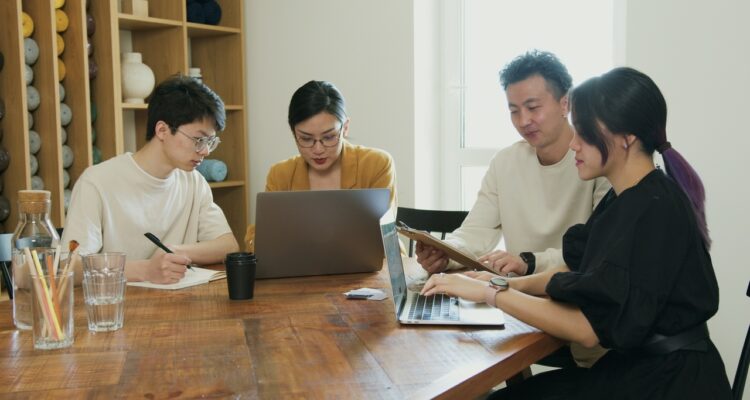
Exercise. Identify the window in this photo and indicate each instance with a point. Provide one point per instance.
(480, 37)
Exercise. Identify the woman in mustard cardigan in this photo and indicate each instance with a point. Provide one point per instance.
(319, 124)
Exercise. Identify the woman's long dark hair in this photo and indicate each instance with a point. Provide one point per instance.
(627, 101)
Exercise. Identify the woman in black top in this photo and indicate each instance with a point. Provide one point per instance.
(639, 279)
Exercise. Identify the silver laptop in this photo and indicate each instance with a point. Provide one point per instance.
(319, 232)
(413, 308)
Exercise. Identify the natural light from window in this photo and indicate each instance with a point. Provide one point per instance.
(580, 32)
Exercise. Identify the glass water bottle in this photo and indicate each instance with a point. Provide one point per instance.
(34, 231)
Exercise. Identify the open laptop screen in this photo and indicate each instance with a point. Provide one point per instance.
(319, 232)
(395, 264)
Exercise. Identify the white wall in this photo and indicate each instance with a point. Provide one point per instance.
(364, 47)
(698, 55)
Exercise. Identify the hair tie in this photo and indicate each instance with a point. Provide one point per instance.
(664, 147)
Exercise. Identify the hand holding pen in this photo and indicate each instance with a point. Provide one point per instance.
(150, 236)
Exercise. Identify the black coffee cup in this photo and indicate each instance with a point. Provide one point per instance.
(240, 275)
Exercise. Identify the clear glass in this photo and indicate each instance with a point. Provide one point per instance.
(104, 290)
(52, 301)
(34, 231)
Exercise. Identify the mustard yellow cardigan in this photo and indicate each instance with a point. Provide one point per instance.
(361, 168)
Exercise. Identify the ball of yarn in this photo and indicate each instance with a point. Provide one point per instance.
(37, 183)
(4, 208)
(32, 98)
(35, 142)
(61, 21)
(212, 12)
(30, 51)
(4, 159)
(195, 13)
(63, 135)
(96, 155)
(60, 44)
(67, 193)
(30, 119)
(90, 24)
(66, 114)
(27, 25)
(61, 91)
(93, 69)
(61, 70)
(67, 156)
(213, 170)
(33, 164)
(66, 178)
(28, 74)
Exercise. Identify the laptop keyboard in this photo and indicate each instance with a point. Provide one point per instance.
(439, 307)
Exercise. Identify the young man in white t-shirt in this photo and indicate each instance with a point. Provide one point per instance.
(531, 193)
(157, 190)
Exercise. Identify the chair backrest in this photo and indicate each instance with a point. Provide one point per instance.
(742, 367)
(430, 221)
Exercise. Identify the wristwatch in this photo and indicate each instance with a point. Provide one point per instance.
(497, 284)
(530, 259)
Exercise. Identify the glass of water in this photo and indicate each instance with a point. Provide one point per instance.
(104, 290)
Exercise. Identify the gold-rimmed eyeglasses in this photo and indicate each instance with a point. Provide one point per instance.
(203, 143)
(328, 140)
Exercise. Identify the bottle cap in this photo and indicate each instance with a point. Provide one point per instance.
(34, 201)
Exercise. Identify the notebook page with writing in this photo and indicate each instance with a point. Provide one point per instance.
(196, 276)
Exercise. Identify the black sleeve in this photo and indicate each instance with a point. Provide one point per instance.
(574, 244)
(624, 294)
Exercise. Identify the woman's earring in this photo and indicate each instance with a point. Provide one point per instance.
(625, 145)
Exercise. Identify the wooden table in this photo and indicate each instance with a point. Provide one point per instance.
(298, 338)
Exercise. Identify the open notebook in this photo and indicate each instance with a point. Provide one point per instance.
(193, 277)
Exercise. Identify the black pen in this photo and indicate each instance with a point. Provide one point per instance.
(155, 240)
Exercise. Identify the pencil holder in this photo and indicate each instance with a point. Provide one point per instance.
(51, 282)
(52, 312)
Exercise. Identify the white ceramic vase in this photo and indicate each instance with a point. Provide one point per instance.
(137, 78)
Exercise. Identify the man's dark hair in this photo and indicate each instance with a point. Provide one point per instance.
(180, 100)
(314, 97)
(542, 63)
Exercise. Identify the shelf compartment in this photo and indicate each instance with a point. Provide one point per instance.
(77, 94)
(47, 115)
(221, 69)
(15, 122)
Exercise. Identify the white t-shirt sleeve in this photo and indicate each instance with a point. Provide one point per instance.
(83, 222)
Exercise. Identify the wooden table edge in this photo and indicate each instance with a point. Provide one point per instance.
(471, 381)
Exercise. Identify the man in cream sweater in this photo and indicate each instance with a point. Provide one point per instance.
(531, 193)
(157, 190)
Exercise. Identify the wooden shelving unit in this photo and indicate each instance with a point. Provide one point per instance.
(168, 44)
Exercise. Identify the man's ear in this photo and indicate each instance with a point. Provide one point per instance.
(161, 129)
(565, 104)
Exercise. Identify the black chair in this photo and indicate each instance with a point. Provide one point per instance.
(430, 221)
(741, 375)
